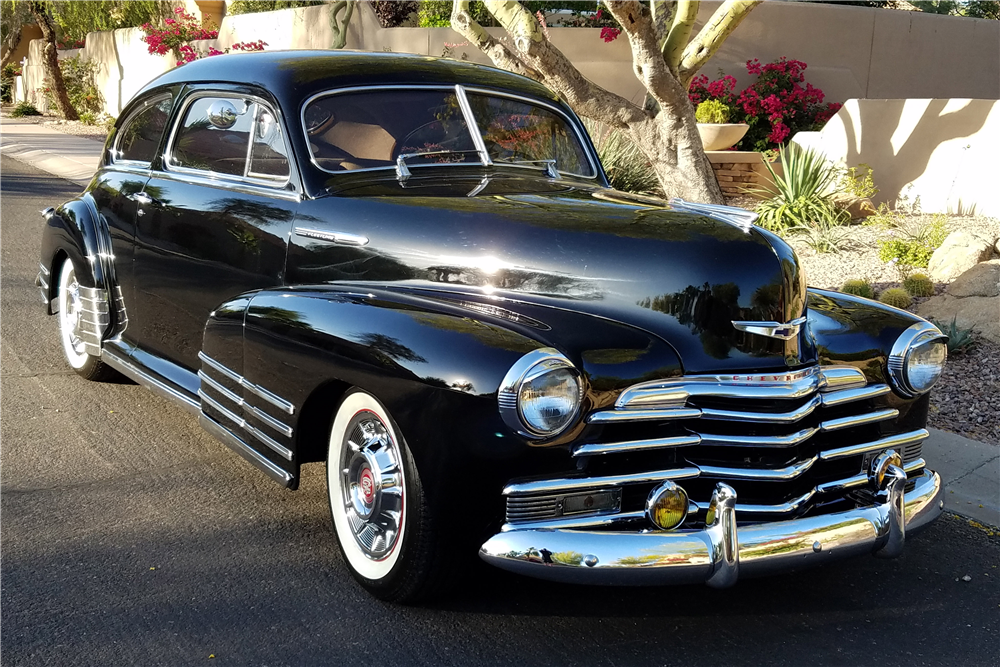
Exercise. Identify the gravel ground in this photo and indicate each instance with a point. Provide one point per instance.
(966, 399)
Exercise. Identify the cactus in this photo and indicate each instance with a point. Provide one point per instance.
(896, 297)
(919, 285)
(858, 288)
(712, 111)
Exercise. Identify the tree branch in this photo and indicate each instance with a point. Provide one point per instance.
(663, 16)
(463, 23)
(680, 32)
(533, 52)
(725, 19)
(647, 57)
(338, 26)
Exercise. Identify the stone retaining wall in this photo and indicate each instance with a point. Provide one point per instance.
(740, 172)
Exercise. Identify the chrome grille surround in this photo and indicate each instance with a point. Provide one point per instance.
(680, 404)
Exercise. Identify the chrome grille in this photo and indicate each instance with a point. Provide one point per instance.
(789, 443)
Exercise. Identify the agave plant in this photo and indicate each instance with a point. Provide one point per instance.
(628, 169)
(801, 195)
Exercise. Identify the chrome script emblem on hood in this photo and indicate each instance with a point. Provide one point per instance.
(786, 331)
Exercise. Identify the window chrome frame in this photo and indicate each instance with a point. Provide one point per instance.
(269, 186)
(115, 151)
(460, 92)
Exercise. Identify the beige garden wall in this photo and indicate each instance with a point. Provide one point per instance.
(944, 151)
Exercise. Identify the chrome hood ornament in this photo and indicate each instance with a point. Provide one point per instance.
(786, 331)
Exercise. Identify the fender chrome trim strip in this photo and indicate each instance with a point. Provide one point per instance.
(282, 477)
(273, 399)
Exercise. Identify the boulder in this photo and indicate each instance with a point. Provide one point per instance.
(959, 253)
(981, 280)
(972, 300)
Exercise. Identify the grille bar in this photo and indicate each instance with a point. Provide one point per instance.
(894, 441)
(566, 484)
(636, 445)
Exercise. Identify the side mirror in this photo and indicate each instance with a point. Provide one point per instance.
(265, 124)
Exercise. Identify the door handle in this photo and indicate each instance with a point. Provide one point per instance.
(145, 199)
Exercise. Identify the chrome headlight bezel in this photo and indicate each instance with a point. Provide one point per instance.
(532, 366)
(916, 336)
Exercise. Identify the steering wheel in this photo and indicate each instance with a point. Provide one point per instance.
(318, 120)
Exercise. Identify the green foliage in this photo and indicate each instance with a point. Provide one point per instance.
(78, 75)
(627, 167)
(907, 247)
(824, 236)
(24, 109)
(254, 6)
(918, 284)
(858, 288)
(959, 338)
(896, 297)
(857, 181)
(712, 111)
(800, 197)
(10, 70)
(75, 19)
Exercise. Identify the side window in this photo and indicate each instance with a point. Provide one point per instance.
(268, 156)
(140, 135)
(231, 136)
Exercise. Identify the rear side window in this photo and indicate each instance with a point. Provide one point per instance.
(140, 135)
(233, 137)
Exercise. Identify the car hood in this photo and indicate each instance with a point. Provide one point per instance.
(682, 277)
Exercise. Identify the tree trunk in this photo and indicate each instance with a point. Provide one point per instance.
(12, 43)
(40, 12)
(674, 150)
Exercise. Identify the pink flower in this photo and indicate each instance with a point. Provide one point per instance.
(610, 34)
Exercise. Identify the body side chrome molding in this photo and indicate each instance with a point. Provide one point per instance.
(240, 422)
(148, 380)
(341, 238)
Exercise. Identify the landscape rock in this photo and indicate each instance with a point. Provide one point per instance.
(973, 301)
(981, 280)
(960, 252)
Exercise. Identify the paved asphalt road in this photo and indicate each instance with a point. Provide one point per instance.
(131, 537)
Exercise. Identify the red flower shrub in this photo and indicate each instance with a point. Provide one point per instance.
(189, 53)
(775, 106)
(161, 41)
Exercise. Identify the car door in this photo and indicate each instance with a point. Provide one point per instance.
(211, 224)
(135, 147)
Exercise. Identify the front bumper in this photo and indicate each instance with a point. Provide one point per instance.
(721, 553)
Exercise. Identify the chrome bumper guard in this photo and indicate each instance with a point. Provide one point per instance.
(721, 553)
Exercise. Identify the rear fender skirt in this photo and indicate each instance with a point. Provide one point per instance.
(76, 229)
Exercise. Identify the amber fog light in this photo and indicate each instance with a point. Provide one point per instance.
(667, 506)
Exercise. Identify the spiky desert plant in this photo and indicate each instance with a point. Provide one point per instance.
(896, 297)
(801, 196)
(858, 287)
(918, 284)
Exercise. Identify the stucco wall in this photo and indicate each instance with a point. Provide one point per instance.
(943, 151)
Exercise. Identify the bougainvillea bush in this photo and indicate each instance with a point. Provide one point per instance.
(188, 53)
(175, 33)
(775, 106)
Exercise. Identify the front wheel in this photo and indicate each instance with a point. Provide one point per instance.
(71, 313)
(383, 523)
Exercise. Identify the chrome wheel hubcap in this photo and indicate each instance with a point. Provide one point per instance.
(72, 312)
(372, 485)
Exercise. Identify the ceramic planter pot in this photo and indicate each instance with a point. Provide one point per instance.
(720, 136)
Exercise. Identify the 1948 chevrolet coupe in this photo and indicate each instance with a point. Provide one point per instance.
(414, 270)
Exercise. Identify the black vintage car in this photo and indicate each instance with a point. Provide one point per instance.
(414, 270)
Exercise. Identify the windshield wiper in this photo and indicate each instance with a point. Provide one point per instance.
(550, 165)
(403, 172)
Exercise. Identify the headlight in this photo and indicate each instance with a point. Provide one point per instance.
(917, 359)
(540, 395)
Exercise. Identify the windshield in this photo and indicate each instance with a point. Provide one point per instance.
(371, 129)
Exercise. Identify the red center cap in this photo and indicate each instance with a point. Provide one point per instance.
(367, 485)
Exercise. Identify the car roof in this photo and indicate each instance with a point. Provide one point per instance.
(292, 76)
